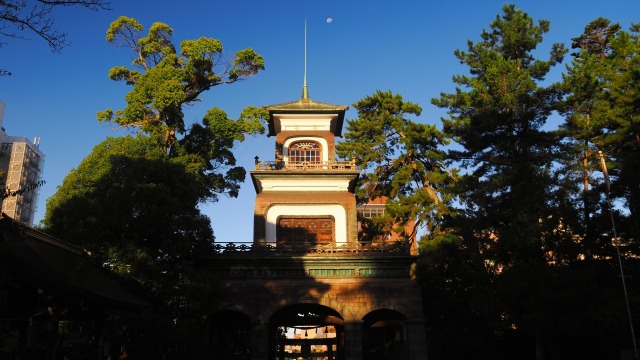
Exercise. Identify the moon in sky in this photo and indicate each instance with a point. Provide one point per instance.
(329, 20)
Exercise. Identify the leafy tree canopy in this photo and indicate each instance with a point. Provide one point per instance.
(601, 115)
(133, 202)
(585, 108)
(163, 81)
(136, 212)
(403, 163)
(126, 194)
(513, 258)
(596, 37)
(497, 115)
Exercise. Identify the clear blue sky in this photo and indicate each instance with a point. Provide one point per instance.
(403, 46)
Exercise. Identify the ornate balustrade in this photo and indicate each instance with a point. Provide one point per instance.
(306, 165)
(250, 248)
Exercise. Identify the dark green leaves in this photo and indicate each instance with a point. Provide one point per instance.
(402, 162)
(169, 80)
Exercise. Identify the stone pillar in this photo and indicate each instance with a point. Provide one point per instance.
(259, 341)
(353, 340)
(417, 340)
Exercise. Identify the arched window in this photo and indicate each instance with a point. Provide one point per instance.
(305, 151)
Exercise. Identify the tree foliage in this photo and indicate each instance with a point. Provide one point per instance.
(621, 144)
(135, 212)
(134, 201)
(601, 115)
(497, 115)
(132, 208)
(21, 18)
(585, 107)
(403, 162)
(163, 82)
(516, 258)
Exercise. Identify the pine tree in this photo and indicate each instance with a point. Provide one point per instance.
(497, 115)
(403, 161)
(586, 107)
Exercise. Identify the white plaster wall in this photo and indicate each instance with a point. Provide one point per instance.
(304, 185)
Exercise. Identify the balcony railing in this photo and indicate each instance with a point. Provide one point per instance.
(306, 165)
(303, 248)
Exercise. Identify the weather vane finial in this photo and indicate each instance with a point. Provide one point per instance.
(305, 90)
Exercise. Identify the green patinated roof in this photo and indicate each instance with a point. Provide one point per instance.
(305, 105)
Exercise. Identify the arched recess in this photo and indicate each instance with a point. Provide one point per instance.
(336, 211)
(384, 336)
(305, 152)
(308, 331)
(230, 335)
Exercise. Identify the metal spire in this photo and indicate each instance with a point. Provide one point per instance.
(305, 90)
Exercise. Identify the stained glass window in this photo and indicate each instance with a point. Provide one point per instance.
(309, 152)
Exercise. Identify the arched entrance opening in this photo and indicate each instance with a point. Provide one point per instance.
(384, 336)
(230, 335)
(308, 331)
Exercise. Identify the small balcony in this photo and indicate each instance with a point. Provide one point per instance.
(349, 165)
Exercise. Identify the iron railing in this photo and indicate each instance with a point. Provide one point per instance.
(306, 165)
(361, 248)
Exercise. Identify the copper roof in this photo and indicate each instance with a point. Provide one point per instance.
(305, 105)
(308, 106)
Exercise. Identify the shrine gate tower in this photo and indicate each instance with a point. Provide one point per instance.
(306, 287)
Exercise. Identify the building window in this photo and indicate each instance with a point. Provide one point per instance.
(305, 151)
(368, 211)
(312, 230)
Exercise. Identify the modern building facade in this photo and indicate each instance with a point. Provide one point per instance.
(306, 286)
(21, 163)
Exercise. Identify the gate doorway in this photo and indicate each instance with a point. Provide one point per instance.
(307, 331)
(384, 336)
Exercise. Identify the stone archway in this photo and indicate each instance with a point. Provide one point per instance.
(384, 336)
(310, 331)
(229, 335)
